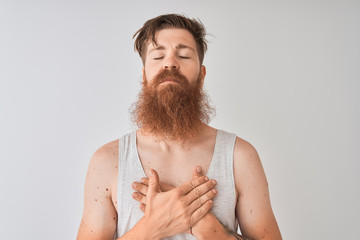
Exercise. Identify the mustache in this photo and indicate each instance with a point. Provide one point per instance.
(169, 75)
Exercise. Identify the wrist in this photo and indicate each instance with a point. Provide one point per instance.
(147, 231)
(209, 227)
(213, 234)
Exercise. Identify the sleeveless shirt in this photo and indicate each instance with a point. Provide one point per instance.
(221, 169)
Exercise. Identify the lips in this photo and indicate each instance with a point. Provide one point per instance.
(170, 79)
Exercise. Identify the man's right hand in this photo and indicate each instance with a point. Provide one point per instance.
(175, 211)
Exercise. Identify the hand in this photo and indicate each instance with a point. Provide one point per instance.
(203, 225)
(177, 210)
(141, 191)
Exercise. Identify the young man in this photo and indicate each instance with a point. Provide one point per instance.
(154, 182)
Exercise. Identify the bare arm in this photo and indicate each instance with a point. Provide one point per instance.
(99, 216)
(253, 208)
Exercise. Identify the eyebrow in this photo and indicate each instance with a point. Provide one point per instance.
(180, 46)
(183, 46)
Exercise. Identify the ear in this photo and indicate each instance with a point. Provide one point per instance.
(202, 74)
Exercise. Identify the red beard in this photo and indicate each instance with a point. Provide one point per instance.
(172, 111)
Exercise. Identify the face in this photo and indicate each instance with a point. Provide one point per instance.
(176, 49)
(172, 104)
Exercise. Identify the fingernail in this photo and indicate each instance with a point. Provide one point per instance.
(214, 191)
(213, 182)
(142, 180)
(150, 172)
(198, 169)
(206, 179)
(134, 184)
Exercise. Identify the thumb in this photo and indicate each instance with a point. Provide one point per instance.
(197, 172)
(154, 185)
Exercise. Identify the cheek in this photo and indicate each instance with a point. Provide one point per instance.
(148, 74)
(193, 74)
(151, 70)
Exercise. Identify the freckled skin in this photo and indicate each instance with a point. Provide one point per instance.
(107, 180)
(100, 206)
(175, 162)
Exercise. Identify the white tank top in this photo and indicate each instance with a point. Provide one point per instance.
(221, 169)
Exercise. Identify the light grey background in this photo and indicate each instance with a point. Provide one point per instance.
(284, 75)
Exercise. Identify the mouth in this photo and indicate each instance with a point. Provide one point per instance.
(170, 80)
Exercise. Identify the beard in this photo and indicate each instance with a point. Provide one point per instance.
(172, 111)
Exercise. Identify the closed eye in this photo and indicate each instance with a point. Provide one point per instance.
(184, 57)
(158, 58)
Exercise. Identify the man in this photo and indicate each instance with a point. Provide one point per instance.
(154, 182)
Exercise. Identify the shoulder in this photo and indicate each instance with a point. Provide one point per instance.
(103, 166)
(248, 169)
(107, 150)
(244, 151)
(106, 155)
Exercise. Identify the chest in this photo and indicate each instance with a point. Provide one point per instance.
(176, 167)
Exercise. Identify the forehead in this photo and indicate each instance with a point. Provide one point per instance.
(171, 38)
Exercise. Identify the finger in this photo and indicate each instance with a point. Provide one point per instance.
(163, 186)
(197, 203)
(140, 187)
(145, 181)
(166, 187)
(197, 172)
(200, 212)
(192, 184)
(142, 207)
(154, 186)
(139, 197)
(199, 191)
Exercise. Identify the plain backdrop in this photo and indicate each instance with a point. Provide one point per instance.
(284, 75)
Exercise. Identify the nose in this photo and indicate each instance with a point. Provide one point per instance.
(170, 63)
